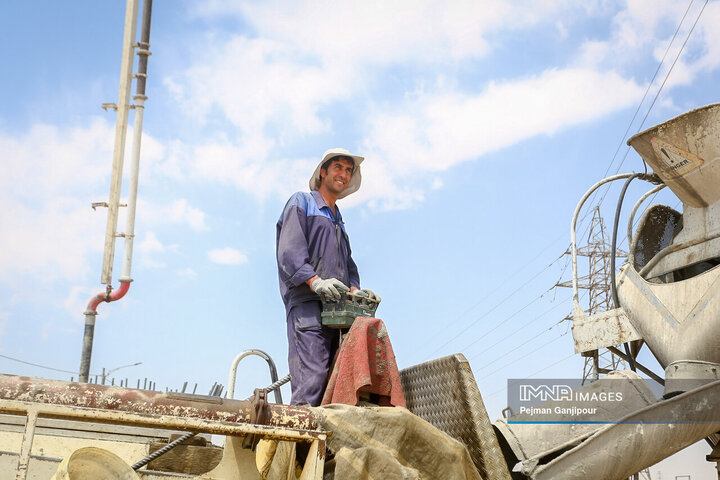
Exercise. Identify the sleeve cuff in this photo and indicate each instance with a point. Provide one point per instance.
(303, 273)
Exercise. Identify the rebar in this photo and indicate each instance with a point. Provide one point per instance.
(162, 451)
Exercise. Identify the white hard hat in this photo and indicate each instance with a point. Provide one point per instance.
(356, 178)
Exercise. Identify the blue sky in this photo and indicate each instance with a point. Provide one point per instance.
(482, 123)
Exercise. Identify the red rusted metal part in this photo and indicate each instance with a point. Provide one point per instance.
(116, 294)
(38, 390)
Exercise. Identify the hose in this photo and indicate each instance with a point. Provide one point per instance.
(613, 249)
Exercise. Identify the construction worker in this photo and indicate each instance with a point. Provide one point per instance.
(314, 258)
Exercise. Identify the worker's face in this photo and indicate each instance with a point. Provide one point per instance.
(337, 176)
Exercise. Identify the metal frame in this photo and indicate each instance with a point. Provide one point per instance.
(314, 465)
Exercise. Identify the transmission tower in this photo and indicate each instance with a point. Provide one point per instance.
(597, 283)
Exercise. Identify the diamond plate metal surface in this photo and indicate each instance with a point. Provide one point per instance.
(443, 392)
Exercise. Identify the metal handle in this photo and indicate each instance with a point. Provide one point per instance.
(233, 372)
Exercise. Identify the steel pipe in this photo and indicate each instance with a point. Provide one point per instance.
(145, 402)
(89, 334)
(143, 54)
(631, 220)
(123, 108)
(234, 366)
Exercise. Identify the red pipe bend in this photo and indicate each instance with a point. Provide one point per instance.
(116, 294)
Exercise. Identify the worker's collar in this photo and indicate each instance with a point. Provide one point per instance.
(323, 204)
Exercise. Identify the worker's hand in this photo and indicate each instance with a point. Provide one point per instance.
(332, 287)
(367, 293)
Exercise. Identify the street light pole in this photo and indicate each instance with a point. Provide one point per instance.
(107, 374)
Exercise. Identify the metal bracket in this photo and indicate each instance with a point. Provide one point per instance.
(105, 106)
(105, 204)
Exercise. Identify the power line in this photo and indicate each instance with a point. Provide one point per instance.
(647, 90)
(605, 189)
(529, 376)
(38, 365)
(499, 286)
(662, 85)
(472, 323)
(534, 337)
(677, 57)
(466, 328)
(502, 322)
(61, 370)
(524, 356)
(552, 365)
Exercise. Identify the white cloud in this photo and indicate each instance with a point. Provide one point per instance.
(316, 53)
(315, 56)
(147, 248)
(227, 256)
(188, 273)
(646, 27)
(283, 89)
(50, 177)
(182, 212)
(233, 164)
(389, 32)
(179, 211)
(56, 162)
(435, 133)
(150, 244)
(77, 299)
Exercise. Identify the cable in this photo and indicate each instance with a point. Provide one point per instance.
(37, 365)
(647, 90)
(657, 94)
(530, 376)
(521, 328)
(613, 249)
(677, 57)
(552, 365)
(58, 369)
(492, 309)
(613, 246)
(534, 337)
(527, 354)
(502, 322)
(500, 285)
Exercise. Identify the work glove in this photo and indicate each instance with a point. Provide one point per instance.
(367, 293)
(332, 287)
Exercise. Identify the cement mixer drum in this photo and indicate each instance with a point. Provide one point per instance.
(685, 152)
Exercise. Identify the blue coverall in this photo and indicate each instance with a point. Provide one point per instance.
(310, 241)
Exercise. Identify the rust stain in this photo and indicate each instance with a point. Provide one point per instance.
(57, 392)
